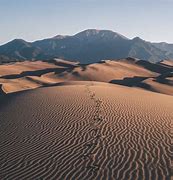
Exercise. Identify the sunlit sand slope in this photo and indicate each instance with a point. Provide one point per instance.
(27, 75)
(86, 131)
(19, 67)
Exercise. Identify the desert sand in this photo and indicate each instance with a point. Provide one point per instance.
(65, 120)
(26, 75)
(19, 67)
(127, 72)
(86, 130)
(167, 62)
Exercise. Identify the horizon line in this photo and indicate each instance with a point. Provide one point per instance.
(73, 34)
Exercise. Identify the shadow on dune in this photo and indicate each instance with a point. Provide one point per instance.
(2, 93)
(63, 64)
(154, 67)
(75, 73)
(166, 65)
(83, 66)
(34, 73)
(162, 78)
(135, 81)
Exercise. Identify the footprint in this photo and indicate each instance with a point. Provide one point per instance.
(94, 167)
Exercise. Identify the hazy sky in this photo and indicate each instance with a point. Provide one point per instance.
(36, 19)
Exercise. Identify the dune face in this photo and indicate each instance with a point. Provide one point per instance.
(107, 71)
(27, 75)
(167, 62)
(94, 121)
(19, 67)
(127, 72)
(86, 130)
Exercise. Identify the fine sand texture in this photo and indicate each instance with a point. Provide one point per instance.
(85, 131)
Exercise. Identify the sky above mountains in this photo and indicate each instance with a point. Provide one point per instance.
(37, 19)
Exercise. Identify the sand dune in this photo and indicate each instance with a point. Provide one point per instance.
(19, 67)
(167, 63)
(86, 130)
(64, 63)
(158, 87)
(9, 86)
(105, 71)
(27, 75)
(21, 84)
(124, 72)
(128, 72)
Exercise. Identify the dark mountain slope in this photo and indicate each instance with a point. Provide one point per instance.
(20, 49)
(88, 46)
(165, 47)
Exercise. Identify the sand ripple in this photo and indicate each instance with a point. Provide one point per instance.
(86, 131)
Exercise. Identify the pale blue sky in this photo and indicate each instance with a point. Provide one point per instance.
(38, 19)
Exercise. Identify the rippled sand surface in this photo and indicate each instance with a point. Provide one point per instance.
(86, 131)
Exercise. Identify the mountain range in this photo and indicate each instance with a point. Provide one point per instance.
(88, 46)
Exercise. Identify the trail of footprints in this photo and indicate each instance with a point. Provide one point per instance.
(109, 145)
(96, 128)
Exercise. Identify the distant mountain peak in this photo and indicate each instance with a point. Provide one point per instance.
(99, 33)
(88, 32)
(88, 46)
(137, 39)
(60, 37)
(17, 43)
